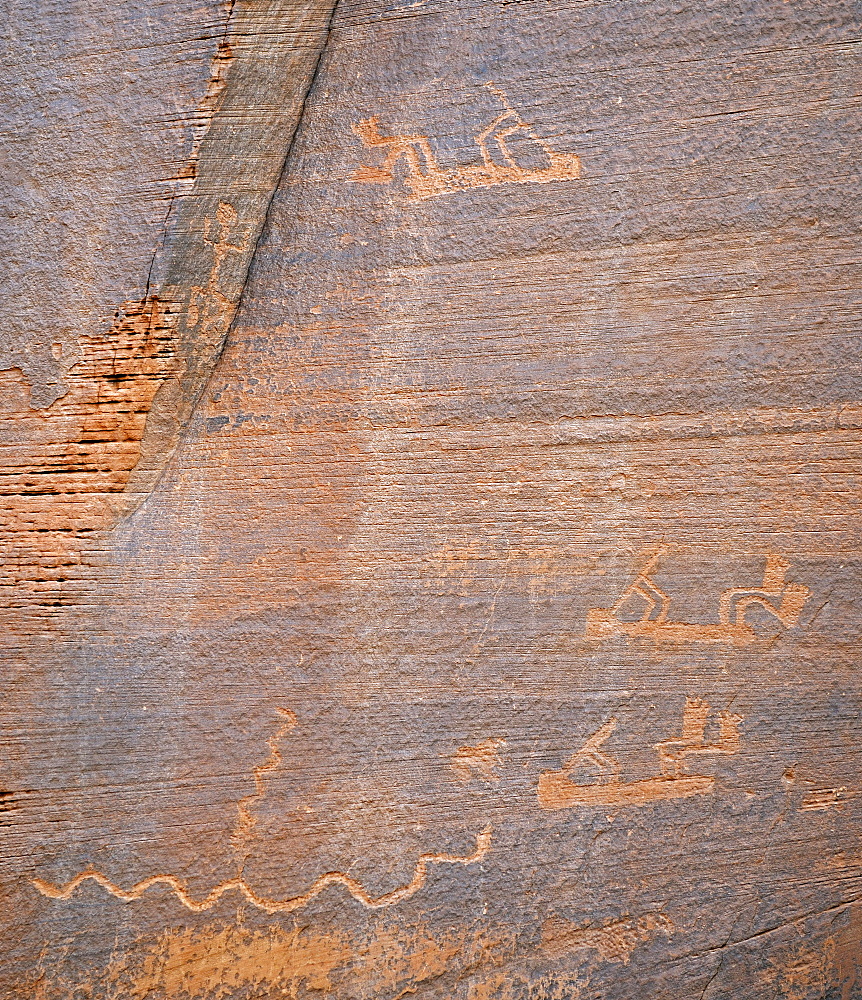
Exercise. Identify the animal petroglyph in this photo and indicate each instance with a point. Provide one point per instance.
(478, 761)
(557, 790)
(425, 178)
(732, 608)
(245, 824)
(672, 752)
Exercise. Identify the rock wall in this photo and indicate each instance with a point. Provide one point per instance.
(430, 501)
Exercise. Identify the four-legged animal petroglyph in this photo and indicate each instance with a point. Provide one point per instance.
(732, 608)
(557, 789)
(245, 824)
(478, 761)
(425, 178)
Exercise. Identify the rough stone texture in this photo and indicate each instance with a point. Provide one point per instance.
(490, 631)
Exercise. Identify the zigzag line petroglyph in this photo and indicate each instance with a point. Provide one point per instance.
(245, 820)
(355, 888)
(245, 824)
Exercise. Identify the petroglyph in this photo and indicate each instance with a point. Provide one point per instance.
(425, 178)
(355, 888)
(478, 761)
(557, 790)
(210, 310)
(732, 608)
(672, 752)
(811, 973)
(809, 796)
(86, 450)
(246, 821)
(524, 984)
(826, 962)
(245, 824)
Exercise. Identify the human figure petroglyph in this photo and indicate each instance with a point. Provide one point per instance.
(209, 307)
(557, 789)
(425, 178)
(733, 606)
(246, 822)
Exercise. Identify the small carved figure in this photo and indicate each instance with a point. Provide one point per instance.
(792, 596)
(672, 753)
(209, 308)
(425, 177)
(478, 761)
(414, 149)
(732, 607)
(557, 789)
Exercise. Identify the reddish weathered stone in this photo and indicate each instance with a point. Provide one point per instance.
(460, 599)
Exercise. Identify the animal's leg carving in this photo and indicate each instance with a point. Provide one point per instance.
(483, 137)
(793, 600)
(652, 595)
(500, 139)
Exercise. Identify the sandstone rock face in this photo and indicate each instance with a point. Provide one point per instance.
(431, 501)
